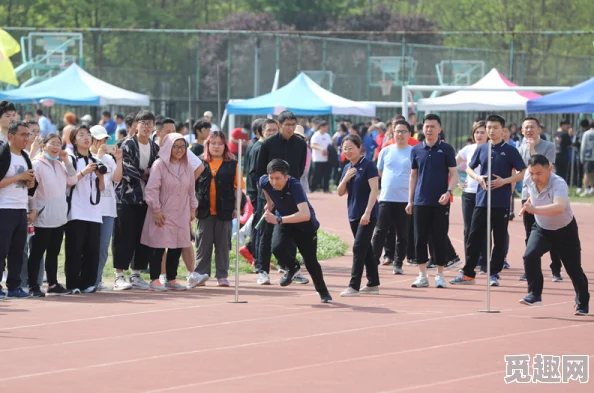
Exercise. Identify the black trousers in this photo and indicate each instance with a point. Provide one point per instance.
(46, 241)
(82, 253)
(13, 235)
(125, 243)
(562, 166)
(288, 237)
(566, 243)
(171, 263)
(392, 223)
(477, 238)
(450, 250)
(468, 205)
(321, 176)
(264, 245)
(431, 221)
(529, 220)
(363, 256)
(411, 253)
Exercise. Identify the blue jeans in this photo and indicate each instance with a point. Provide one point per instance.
(24, 270)
(104, 240)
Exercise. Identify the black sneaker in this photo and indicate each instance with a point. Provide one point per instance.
(325, 298)
(523, 277)
(557, 277)
(582, 309)
(57, 290)
(411, 262)
(287, 279)
(531, 300)
(505, 264)
(36, 292)
(453, 263)
(431, 265)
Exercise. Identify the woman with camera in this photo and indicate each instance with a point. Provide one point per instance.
(53, 172)
(113, 162)
(83, 229)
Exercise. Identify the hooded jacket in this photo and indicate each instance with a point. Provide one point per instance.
(172, 193)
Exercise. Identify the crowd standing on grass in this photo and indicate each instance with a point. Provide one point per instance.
(139, 182)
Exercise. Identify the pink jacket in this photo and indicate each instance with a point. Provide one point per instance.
(50, 195)
(174, 195)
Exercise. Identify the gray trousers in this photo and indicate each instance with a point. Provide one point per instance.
(216, 233)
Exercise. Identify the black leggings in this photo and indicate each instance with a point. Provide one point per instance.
(171, 263)
(46, 241)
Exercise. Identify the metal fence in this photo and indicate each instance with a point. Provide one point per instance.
(188, 73)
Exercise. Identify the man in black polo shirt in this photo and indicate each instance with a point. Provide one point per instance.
(296, 222)
(432, 163)
(504, 159)
(292, 149)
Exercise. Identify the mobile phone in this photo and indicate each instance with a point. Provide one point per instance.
(110, 146)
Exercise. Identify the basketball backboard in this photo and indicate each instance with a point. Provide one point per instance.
(322, 78)
(460, 72)
(400, 70)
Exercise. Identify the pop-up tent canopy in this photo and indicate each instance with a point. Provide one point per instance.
(477, 100)
(303, 97)
(74, 86)
(578, 99)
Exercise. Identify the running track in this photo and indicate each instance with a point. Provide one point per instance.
(284, 340)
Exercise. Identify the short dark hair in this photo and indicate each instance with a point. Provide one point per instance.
(13, 127)
(355, 139)
(534, 119)
(6, 106)
(286, 115)
(402, 123)
(39, 112)
(130, 119)
(564, 122)
(497, 119)
(257, 126)
(200, 124)
(123, 132)
(120, 116)
(268, 121)
(168, 120)
(31, 123)
(323, 123)
(278, 165)
(538, 159)
(432, 116)
(592, 124)
(376, 118)
(106, 114)
(397, 117)
(180, 126)
(144, 115)
(585, 123)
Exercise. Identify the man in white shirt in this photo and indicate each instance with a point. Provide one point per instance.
(320, 141)
(555, 229)
(16, 178)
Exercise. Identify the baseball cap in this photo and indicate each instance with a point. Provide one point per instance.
(99, 132)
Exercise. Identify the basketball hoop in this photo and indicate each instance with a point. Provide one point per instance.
(386, 87)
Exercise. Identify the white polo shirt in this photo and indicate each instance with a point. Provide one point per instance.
(555, 188)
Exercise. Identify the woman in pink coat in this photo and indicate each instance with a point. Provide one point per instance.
(172, 204)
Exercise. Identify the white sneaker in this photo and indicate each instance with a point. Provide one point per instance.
(440, 281)
(263, 279)
(578, 190)
(163, 279)
(280, 271)
(138, 283)
(421, 282)
(349, 292)
(121, 284)
(369, 290)
(156, 286)
(4, 276)
(89, 290)
(102, 287)
(197, 280)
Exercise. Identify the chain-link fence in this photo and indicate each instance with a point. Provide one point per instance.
(188, 73)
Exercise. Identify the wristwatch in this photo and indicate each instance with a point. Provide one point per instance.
(279, 219)
(451, 192)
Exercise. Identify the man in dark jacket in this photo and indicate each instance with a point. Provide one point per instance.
(16, 179)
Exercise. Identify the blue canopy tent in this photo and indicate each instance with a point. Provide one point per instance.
(303, 97)
(74, 86)
(578, 99)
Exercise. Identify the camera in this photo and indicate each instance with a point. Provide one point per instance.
(102, 169)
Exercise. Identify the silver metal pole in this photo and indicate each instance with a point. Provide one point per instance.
(237, 207)
(190, 99)
(489, 173)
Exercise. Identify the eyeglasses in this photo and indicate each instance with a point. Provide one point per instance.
(178, 147)
(144, 123)
(54, 144)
